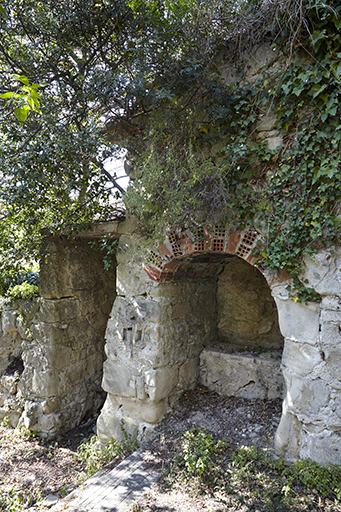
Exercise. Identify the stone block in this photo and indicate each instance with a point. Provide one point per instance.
(160, 383)
(298, 321)
(29, 308)
(22, 329)
(267, 122)
(323, 447)
(119, 379)
(241, 375)
(9, 382)
(143, 410)
(9, 322)
(50, 405)
(62, 310)
(188, 374)
(109, 423)
(274, 142)
(306, 397)
(300, 358)
(132, 279)
(44, 383)
(331, 302)
(49, 423)
(330, 316)
(288, 436)
(333, 358)
(323, 272)
(48, 334)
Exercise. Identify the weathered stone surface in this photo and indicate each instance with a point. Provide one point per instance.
(160, 383)
(288, 435)
(109, 423)
(323, 447)
(60, 338)
(188, 374)
(331, 302)
(247, 314)
(267, 123)
(9, 321)
(241, 375)
(274, 142)
(119, 379)
(323, 272)
(44, 383)
(148, 411)
(298, 321)
(300, 358)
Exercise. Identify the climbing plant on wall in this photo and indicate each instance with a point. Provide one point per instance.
(292, 194)
(146, 76)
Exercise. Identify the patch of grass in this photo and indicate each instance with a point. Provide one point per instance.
(251, 476)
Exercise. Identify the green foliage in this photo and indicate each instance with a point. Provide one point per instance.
(291, 194)
(196, 456)
(325, 480)
(28, 274)
(24, 98)
(108, 246)
(12, 502)
(95, 456)
(150, 73)
(22, 291)
(251, 477)
(107, 70)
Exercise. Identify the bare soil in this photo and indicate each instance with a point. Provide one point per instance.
(37, 468)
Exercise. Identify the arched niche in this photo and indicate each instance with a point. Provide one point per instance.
(165, 317)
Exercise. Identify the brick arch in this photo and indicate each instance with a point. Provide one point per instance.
(179, 256)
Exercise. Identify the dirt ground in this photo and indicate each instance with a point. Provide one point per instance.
(37, 468)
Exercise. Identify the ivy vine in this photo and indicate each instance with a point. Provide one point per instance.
(208, 166)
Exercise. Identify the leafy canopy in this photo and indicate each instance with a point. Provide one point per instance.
(98, 71)
(143, 75)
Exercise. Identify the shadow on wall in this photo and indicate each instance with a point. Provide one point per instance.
(244, 359)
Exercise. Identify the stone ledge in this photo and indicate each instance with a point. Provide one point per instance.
(244, 375)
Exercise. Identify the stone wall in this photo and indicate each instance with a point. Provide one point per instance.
(153, 341)
(11, 364)
(242, 374)
(60, 338)
(311, 421)
(247, 313)
(158, 333)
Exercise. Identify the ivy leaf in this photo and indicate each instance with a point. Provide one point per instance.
(317, 89)
(317, 35)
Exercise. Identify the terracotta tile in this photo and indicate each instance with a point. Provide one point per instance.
(152, 272)
(233, 241)
(165, 251)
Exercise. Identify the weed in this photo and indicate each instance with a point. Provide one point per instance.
(198, 447)
(11, 502)
(251, 476)
(95, 455)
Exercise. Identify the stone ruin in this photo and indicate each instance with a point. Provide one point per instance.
(144, 332)
(198, 310)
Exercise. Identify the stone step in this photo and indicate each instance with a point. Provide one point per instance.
(115, 490)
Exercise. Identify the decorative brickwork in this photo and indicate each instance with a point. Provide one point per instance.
(178, 257)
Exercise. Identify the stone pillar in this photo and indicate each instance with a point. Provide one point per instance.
(154, 337)
(63, 349)
(310, 426)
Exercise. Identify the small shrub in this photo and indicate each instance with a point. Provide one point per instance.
(198, 448)
(324, 480)
(95, 456)
(22, 291)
